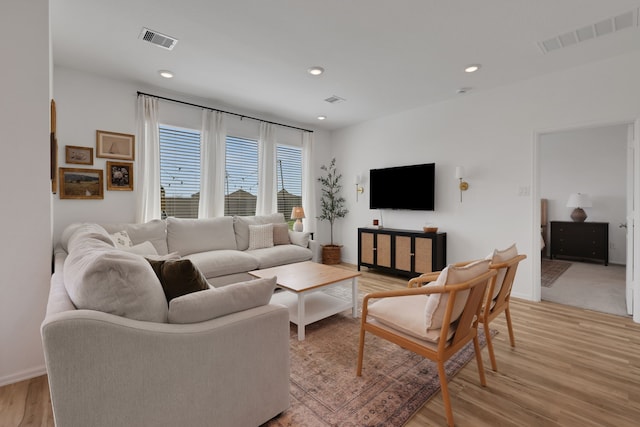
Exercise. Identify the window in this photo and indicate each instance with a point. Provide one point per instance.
(179, 172)
(241, 176)
(289, 178)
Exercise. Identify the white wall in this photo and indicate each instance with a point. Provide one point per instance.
(592, 161)
(493, 135)
(88, 102)
(25, 187)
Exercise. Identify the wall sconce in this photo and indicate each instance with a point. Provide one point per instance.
(297, 213)
(579, 201)
(359, 188)
(464, 186)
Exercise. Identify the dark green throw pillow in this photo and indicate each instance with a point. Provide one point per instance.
(178, 277)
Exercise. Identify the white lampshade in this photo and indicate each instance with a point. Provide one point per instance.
(460, 172)
(579, 200)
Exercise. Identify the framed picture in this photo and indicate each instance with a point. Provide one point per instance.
(53, 149)
(119, 176)
(79, 155)
(112, 145)
(81, 183)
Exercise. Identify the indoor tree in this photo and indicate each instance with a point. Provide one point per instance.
(331, 202)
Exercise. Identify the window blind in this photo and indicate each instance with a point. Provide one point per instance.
(241, 176)
(179, 172)
(289, 177)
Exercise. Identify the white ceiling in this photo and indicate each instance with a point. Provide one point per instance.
(382, 56)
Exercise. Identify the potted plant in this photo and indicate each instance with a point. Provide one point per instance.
(331, 208)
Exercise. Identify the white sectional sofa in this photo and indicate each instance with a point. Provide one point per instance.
(118, 353)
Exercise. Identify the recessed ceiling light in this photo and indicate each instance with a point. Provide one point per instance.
(472, 68)
(315, 71)
(166, 74)
(322, 117)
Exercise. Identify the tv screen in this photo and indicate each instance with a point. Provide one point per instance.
(403, 187)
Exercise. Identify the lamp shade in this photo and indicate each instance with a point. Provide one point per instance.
(460, 172)
(297, 212)
(579, 200)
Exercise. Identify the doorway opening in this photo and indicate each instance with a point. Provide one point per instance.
(587, 270)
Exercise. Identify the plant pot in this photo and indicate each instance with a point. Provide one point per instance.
(331, 254)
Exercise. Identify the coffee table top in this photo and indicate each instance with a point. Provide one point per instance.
(307, 275)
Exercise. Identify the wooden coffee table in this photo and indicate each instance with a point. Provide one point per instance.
(301, 282)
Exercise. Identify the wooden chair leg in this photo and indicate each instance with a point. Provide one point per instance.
(476, 346)
(360, 352)
(492, 356)
(512, 338)
(445, 393)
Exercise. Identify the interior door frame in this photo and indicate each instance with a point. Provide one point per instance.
(536, 258)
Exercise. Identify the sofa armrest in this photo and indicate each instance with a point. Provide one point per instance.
(316, 251)
(105, 370)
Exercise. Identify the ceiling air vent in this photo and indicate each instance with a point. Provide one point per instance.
(158, 39)
(334, 99)
(592, 31)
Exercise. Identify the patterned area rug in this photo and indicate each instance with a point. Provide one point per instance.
(325, 390)
(551, 270)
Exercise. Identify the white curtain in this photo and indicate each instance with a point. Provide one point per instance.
(308, 183)
(148, 161)
(267, 189)
(212, 164)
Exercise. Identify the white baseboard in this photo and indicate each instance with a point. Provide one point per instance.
(23, 375)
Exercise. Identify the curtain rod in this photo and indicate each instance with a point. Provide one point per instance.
(242, 116)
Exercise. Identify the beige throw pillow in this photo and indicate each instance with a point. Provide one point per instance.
(500, 256)
(281, 234)
(437, 303)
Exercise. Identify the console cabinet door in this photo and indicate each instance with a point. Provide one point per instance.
(383, 250)
(366, 248)
(423, 255)
(404, 254)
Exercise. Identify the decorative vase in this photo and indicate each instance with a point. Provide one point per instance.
(331, 254)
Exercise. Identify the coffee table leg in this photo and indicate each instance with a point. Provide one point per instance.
(301, 320)
(354, 296)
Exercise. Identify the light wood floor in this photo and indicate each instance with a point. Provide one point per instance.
(570, 367)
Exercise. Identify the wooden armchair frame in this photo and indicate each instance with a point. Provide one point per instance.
(466, 326)
(494, 306)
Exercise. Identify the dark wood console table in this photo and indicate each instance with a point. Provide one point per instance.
(580, 240)
(404, 252)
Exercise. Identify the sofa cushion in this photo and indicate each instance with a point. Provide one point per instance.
(223, 262)
(99, 277)
(178, 277)
(260, 236)
(154, 231)
(217, 302)
(281, 234)
(80, 232)
(188, 236)
(241, 226)
(279, 255)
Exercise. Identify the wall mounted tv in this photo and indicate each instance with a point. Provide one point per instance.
(403, 187)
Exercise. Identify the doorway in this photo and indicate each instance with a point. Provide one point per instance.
(590, 160)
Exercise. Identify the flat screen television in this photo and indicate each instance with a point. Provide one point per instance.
(403, 187)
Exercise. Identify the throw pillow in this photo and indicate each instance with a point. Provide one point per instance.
(500, 256)
(299, 238)
(437, 303)
(260, 236)
(144, 249)
(178, 277)
(218, 302)
(122, 239)
(281, 234)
